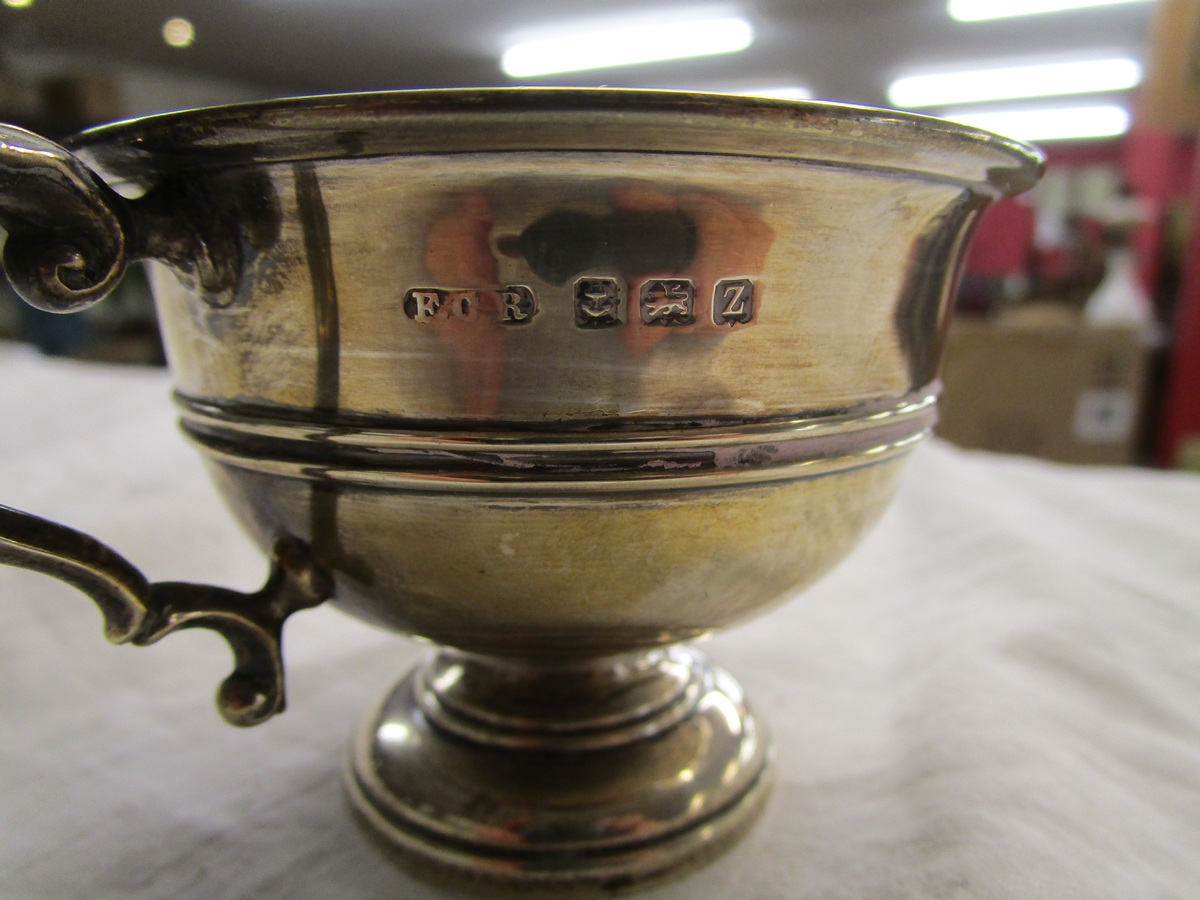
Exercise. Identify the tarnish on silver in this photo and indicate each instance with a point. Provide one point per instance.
(555, 379)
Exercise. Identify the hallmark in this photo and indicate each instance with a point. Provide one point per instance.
(421, 305)
(733, 302)
(665, 302)
(668, 301)
(426, 304)
(597, 303)
(520, 305)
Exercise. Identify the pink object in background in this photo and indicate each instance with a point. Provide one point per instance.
(1003, 240)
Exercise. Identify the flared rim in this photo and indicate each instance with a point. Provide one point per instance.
(472, 120)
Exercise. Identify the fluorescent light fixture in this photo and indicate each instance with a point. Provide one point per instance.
(980, 10)
(604, 47)
(1046, 80)
(1049, 124)
(783, 92)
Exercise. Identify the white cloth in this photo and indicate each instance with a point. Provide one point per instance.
(997, 695)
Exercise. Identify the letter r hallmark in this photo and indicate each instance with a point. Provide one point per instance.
(520, 305)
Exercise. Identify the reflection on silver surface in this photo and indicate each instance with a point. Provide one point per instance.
(545, 816)
(556, 379)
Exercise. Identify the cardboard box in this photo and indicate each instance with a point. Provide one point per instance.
(1065, 392)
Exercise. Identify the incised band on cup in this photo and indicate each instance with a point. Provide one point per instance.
(661, 455)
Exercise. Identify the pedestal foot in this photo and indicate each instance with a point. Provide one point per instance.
(598, 773)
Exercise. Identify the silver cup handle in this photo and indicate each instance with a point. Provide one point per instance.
(138, 612)
(68, 232)
(69, 242)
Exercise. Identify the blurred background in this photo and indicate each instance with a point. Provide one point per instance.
(1077, 327)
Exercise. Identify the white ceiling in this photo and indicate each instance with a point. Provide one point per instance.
(846, 50)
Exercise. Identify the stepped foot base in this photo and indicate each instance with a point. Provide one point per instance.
(598, 773)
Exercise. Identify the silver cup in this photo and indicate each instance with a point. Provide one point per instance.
(556, 379)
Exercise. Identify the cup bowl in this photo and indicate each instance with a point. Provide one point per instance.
(407, 370)
(566, 568)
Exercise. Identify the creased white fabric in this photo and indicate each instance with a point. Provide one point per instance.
(997, 695)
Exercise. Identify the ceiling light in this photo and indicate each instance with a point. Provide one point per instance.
(605, 47)
(783, 92)
(1049, 124)
(178, 32)
(1047, 80)
(978, 10)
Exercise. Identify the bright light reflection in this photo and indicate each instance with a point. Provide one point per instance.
(448, 679)
(178, 32)
(979, 10)
(729, 687)
(1009, 83)
(592, 47)
(676, 670)
(784, 92)
(1049, 124)
(749, 744)
(686, 775)
(394, 733)
(18, 4)
(729, 712)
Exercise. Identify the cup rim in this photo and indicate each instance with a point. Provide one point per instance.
(516, 119)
